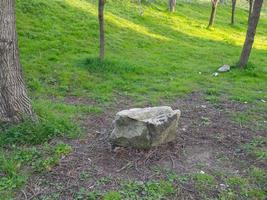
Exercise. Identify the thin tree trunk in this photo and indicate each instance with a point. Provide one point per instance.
(101, 29)
(250, 8)
(233, 12)
(14, 102)
(214, 4)
(251, 31)
(172, 5)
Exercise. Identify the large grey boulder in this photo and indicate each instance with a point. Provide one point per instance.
(145, 127)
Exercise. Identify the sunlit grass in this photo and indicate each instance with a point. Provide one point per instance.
(180, 22)
(118, 21)
(169, 49)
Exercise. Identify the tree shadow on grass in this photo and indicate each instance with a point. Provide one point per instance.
(172, 59)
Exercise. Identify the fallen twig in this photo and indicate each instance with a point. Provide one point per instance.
(125, 166)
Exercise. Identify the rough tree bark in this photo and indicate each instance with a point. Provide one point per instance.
(214, 4)
(101, 4)
(172, 5)
(14, 102)
(233, 12)
(251, 31)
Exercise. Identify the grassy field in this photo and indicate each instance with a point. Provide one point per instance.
(151, 56)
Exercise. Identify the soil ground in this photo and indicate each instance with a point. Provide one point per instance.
(207, 141)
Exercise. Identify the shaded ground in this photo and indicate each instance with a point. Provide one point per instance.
(207, 142)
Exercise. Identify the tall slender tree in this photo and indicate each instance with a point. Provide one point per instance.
(233, 12)
(251, 31)
(214, 4)
(14, 102)
(101, 5)
(250, 5)
(172, 5)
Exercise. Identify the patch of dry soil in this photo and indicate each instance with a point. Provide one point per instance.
(206, 140)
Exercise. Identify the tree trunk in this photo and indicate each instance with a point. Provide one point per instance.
(172, 5)
(101, 4)
(214, 4)
(250, 8)
(251, 31)
(14, 102)
(233, 12)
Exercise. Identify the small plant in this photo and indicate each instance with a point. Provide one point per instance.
(45, 164)
(84, 176)
(93, 196)
(62, 149)
(9, 176)
(183, 178)
(171, 176)
(104, 181)
(257, 148)
(204, 182)
(205, 121)
(112, 195)
(150, 190)
(27, 155)
(81, 194)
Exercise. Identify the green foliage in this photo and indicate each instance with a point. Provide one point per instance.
(45, 164)
(254, 118)
(103, 181)
(34, 132)
(257, 148)
(148, 191)
(93, 196)
(27, 155)
(53, 120)
(258, 177)
(112, 195)
(204, 182)
(108, 67)
(35, 159)
(62, 149)
(80, 194)
(251, 186)
(9, 177)
(84, 176)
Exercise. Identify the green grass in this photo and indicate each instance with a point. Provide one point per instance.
(250, 185)
(149, 57)
(19, 162)
(150, 190)
(153, 56)
(254, 118)
(257, 148)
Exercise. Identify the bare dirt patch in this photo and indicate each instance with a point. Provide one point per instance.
(207, 140)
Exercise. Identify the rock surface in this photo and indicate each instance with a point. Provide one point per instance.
(224, 68)
(144, 128)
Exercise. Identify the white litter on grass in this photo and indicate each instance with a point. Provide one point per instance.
(263, 101)
(215, 74)
(224, 68)
(224, 186)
